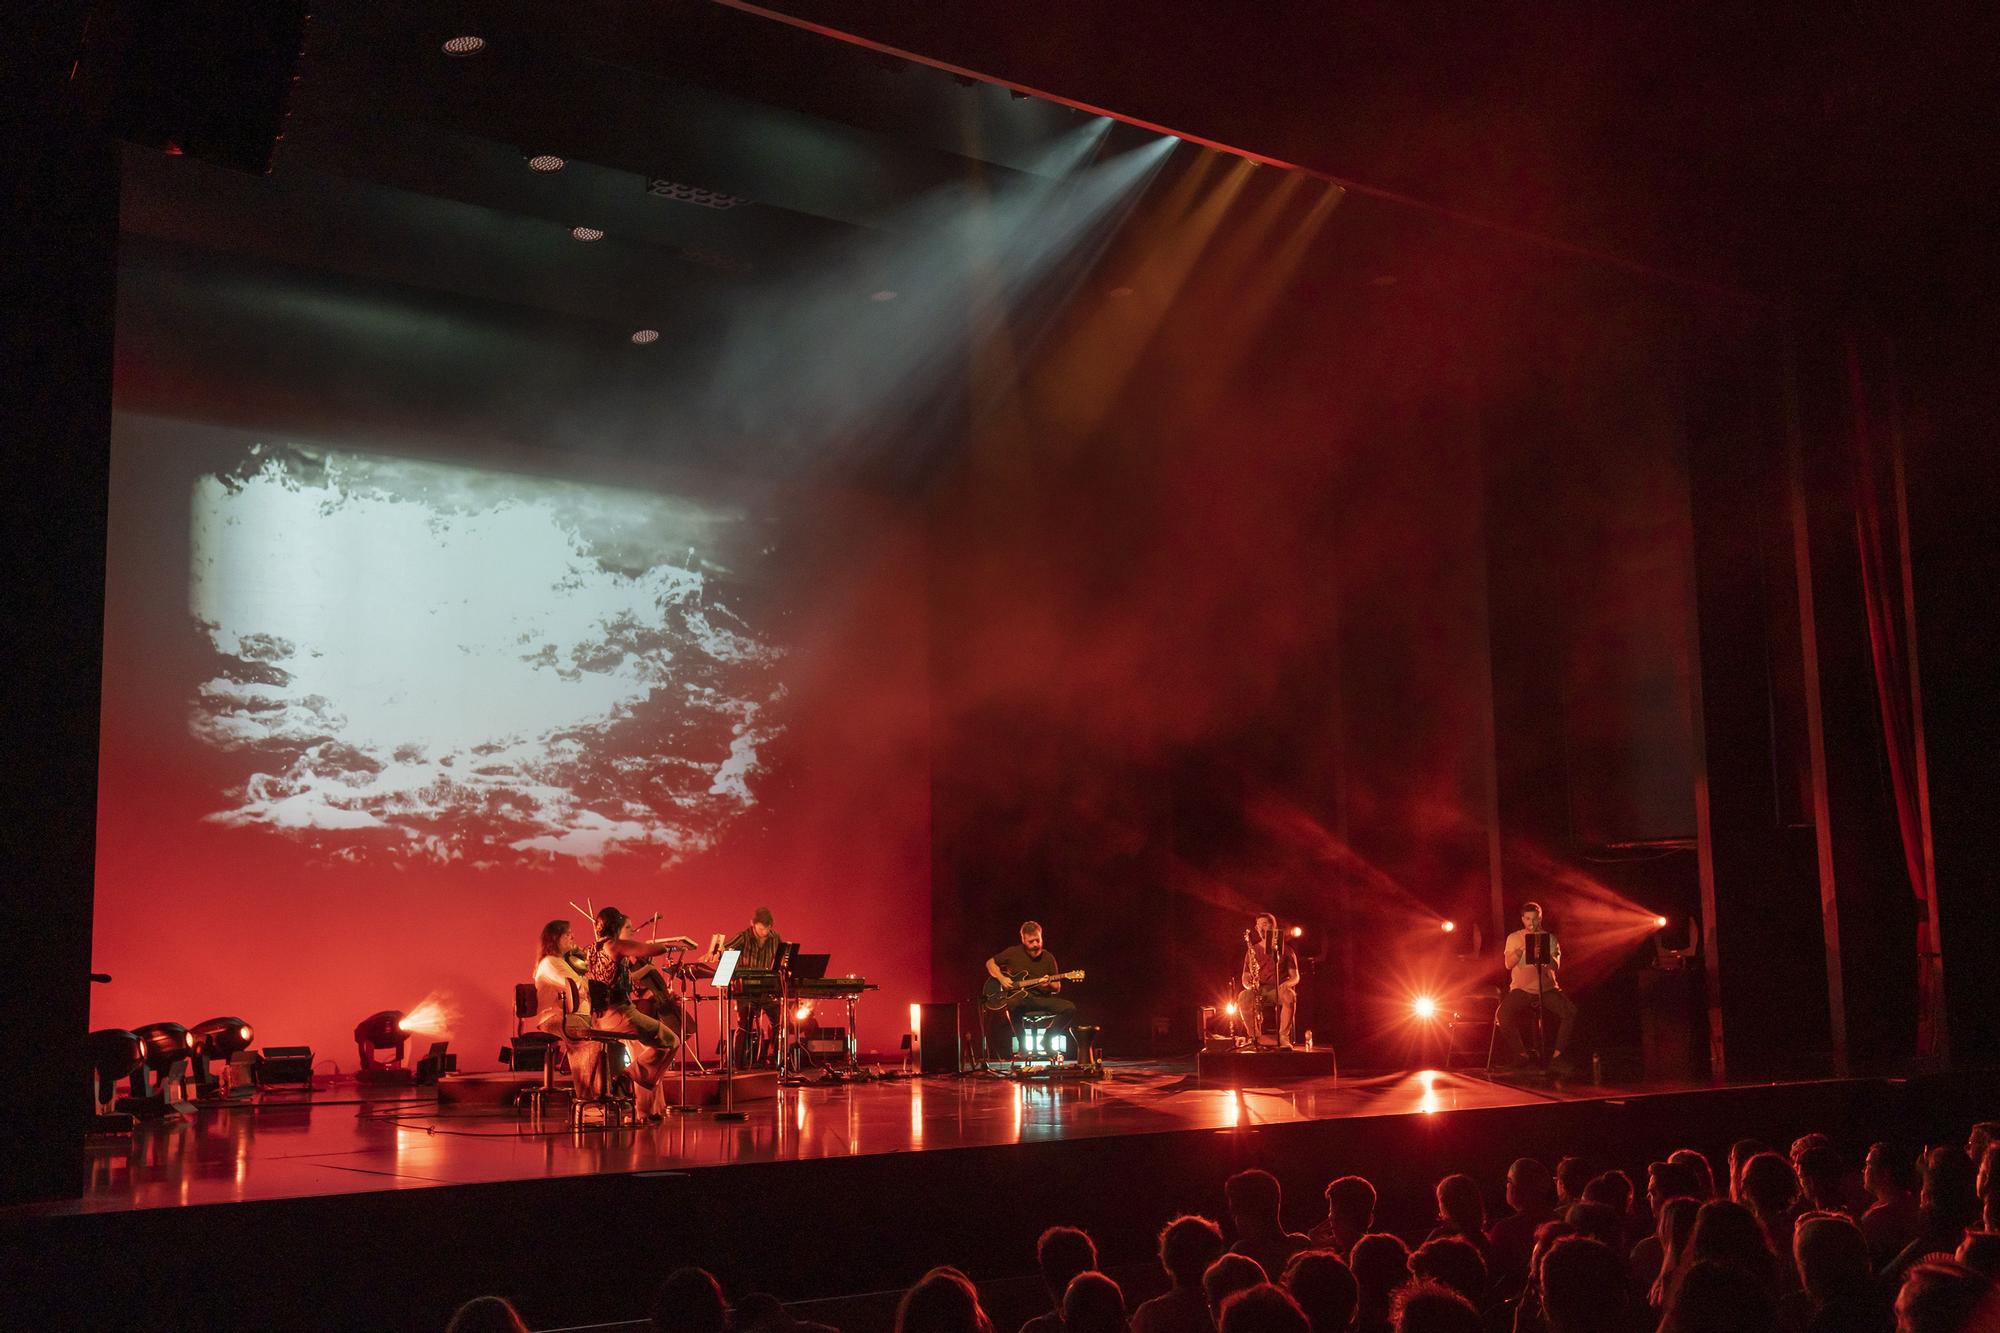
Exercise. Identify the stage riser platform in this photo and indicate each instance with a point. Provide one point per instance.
(1257, 1068)
(838, 1225)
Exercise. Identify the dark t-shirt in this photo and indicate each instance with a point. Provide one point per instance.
(1014, 961)
(758, 957)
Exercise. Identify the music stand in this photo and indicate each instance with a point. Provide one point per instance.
(725, 972)
(797, 967)
(1537, 951)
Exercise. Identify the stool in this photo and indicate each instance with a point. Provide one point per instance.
(612, 1107)
(538, 1100)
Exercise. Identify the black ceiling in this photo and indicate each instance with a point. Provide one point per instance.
(402, 255)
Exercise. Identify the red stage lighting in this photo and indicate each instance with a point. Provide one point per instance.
(1660, 921)
(1298, 932)
(1230, 1008)
(1424, 1007)
(1449, 927)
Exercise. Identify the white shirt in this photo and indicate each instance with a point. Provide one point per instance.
(559, 990)
(1522, 976)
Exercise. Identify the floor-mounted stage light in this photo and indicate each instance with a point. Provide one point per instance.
(546, 162)
(219, 1039)
(284, 1067)
(165, 1049)
(375, 1034)
(114, 1054)
(461, 47)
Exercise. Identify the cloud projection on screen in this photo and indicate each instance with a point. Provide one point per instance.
(423, 662)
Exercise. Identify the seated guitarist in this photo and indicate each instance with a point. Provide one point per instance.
(1017, 969)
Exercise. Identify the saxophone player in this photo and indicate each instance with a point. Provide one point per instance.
(1270, 976)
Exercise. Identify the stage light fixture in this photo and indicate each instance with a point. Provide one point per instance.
(166, 1045)
(883, 295)
(467, 45)
(1298, 932)
(644, 336)
(1660, 922)
(1424, 1007)
(165, 1049)
(1230, 1008)
(802, 1013)
(379, 1032)
(587, 233)
(546, 162)
(113, 1054)
(217, 1039)
(1448, 927)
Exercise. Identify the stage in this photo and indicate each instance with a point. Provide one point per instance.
(341, 1143)
(228, 1215)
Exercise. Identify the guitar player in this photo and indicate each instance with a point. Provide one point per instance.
(1021, 968)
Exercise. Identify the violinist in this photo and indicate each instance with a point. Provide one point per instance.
(608, 974)
(1270, 976)
(559, 978)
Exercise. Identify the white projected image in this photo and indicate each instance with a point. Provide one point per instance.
(425, 662)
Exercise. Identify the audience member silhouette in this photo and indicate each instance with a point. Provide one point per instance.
(1350, 1215)
(1531, 1193)
(1255, 1204)
(943, 1301)
(1060, 1254)
(1381, 1263)
(1262, 1308)
(690, 1301)
(1423, 1306)
(486, 1314)
(1584, 1288)
(1943, 1297)
(1323, 1285)
(1093, 1303)
(1188, 1245)
(1714, 1297)
(1452, 1261)
(1227, 1276)
(1839, 1294)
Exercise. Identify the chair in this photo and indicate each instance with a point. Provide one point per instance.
(1499, 994)
(598, 1089)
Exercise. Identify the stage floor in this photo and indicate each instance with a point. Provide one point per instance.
(341, 1143)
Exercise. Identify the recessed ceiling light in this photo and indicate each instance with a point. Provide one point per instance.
(644, 336)
(546, 162)
(882, 296)
(467, 45)
(586, 233)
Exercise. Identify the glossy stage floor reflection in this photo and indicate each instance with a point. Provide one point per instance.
(341, 1145)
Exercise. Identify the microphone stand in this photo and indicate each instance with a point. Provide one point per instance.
(681, 1106)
